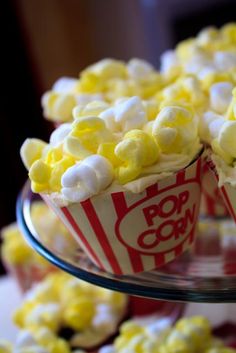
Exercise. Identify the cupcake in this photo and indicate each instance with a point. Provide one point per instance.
(126, 187)
(105, 82)
(190, 335)
(25, 265)
(71, 313)
(209, 60)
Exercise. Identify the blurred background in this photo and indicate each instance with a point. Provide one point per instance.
(43, 40)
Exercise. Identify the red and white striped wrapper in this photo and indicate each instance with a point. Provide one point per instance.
(228, 192)
(124, 232)
(26, 275)
(212, 203)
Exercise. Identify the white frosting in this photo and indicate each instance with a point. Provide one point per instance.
(87, 178)
(139, 69)
(220, 96)
(65, 85)
(126, 115)
(58, 135)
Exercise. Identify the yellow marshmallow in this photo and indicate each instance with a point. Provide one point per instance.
(14, 249)
(218, 151)
(31, 150)
(107, 68)
(136, 150)
(90, 109)
(40, 172)
(226, 138)
(86, 136)
(174, 129)
(152, 109)
(231, 112)
(53, 156)
(79, 313)
(58, 170)
(107, 150)
(58, 106)
(58, 346)
(5, 347)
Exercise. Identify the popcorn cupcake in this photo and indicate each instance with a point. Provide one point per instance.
(20, 260)
(190, 335)
(66, 312)
(209, 59)
(126, 187)
(24, 264)
(106, 81)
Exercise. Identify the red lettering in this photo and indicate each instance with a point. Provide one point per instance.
(190, 215)
(150, 213)
(174, 200)
(183, 198)
(145, 236)
(163, 233)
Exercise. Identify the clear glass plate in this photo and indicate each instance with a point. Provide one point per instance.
(205, 273)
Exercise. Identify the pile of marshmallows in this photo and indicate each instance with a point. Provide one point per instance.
(119, 123)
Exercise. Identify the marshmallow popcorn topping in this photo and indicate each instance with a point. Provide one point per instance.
(117, 144)
(62, 305)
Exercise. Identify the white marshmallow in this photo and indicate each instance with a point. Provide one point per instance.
(85, 98)
(24, 339)
(226, 138)
(215, 126)
(205, 71)
(220, 96)
(169, 60)
(86, 178)
(126, 115)
(37, 314)
(139, 69)
(107, 349)
(225, 60)
(65, 85)
(204, 123)
(58, 135)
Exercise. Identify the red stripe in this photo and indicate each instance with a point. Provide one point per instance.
(179, 249)
(136, 260)
(119, 202)
(230, 208)
(101, 235)
(152, 190)
(82, 237)
(180, 177)
(199, 169)
(159, 260)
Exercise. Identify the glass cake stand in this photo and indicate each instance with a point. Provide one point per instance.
(205, 273)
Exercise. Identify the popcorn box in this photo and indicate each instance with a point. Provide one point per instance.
(228, 192)
(212, 203)
(27, 275)
(123, 232)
